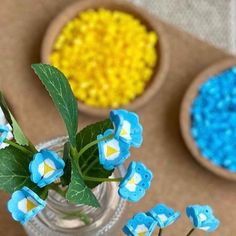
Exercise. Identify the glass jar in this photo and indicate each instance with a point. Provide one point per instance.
(61, 218)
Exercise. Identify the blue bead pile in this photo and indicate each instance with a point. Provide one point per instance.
(213, 114)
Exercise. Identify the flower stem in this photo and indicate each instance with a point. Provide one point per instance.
(89, 145)
(74, 154)
(190, 232)
(90, 166)
(89, 159)
(32, 147)
(85, 148)
(78, 214)
(19, 147)
(57, 188)
(160, 232)
(95, 179)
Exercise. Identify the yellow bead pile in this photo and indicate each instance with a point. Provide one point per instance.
(107, 56)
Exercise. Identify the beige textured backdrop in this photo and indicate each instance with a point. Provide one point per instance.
(214, 22)
(179, 180)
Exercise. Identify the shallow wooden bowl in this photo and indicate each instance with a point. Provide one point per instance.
(185, 117)
(160, 70)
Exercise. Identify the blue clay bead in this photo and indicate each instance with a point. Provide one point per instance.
(232, 168)
(213, 114)
(194, 132)
(201, 144)
(234, 69)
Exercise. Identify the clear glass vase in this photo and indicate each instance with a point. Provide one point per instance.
(61, 218)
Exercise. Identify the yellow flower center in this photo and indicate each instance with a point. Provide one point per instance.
(110, 151)
(123, 132)
(30, 205)
(142, 233)
(132, 181)
(47, 168)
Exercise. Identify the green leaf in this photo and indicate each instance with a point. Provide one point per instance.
(78, 192)
(4, 107)
(91, 157)
(14, 172)
(17, 132)
(65, 179)
(59, 89)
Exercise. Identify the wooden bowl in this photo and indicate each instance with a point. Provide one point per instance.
(148, 20)
(185, 117)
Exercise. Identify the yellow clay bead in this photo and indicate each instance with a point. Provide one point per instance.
(107, 56)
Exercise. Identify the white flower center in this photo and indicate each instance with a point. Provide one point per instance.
(111, 149)
(47, 168)
(26, 205)
(141, 230)
(133, 182)
(162, 217)
(125, 130)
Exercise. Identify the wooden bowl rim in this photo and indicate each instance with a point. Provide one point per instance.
(149, 20)
(185, 118)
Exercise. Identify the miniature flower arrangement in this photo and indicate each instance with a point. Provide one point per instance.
(89, 159)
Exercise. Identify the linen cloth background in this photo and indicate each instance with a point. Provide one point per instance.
(212, 21)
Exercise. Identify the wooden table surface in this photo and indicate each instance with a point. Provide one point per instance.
(179, 180)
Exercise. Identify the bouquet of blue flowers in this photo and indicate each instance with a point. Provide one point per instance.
(89, 159)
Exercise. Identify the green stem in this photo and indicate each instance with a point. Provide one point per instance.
(78, 214)
(85, 148)
(19, 147)
(32, 147)
(190, 232)
(90, 166)
(57, 188)
(89, 159)
(89, 145)
(160, 232)
(95, 179)
(74, 154)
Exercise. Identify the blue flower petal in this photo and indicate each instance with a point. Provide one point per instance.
(164, 215)
(33, 167)
(202, 217)
(46, 167)
(60, 164)
(136, 181)
(4, 130)
(140, 224)
(113, 152)
(25, 204)
(45, 181)
(127, 127)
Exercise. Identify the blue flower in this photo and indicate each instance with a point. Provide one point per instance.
(140, 225)
(113, 152)
(202, 217)
(5, 133)
(25, 204)
(136, 181)
(46, 167)
(2, 118)
(164, 215)
(127, 127)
